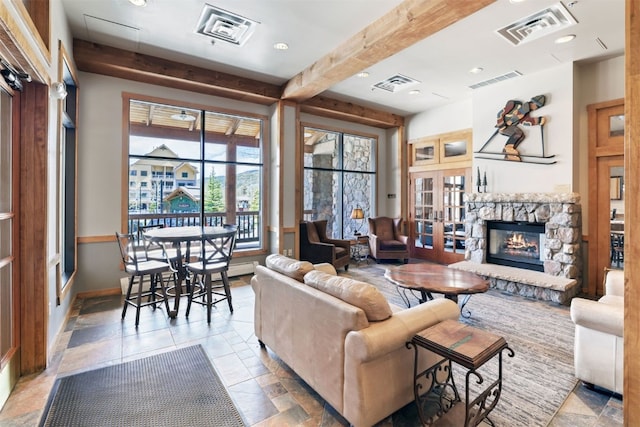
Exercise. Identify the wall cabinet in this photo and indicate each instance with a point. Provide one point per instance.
(444, 148)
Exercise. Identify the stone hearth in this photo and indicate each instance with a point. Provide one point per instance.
(562, 258)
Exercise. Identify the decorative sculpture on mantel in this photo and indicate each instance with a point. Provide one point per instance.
(513, 114)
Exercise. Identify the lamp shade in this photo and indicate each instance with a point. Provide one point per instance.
(357, 213)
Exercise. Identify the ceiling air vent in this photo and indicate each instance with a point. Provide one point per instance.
(553, 18)
(226, 26)
(507, 76)
(396, 83)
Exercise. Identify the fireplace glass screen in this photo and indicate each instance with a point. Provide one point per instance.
(516, 245)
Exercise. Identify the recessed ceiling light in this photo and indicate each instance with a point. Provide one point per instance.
(516, 1)
(476, 70)
(362, 74)
(414, 92)
(141, 3)
(281, 46)
(565, 39)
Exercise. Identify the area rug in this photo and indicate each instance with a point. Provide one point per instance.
(538, 379)
(178, 388)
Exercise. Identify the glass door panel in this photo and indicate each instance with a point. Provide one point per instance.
(424, 213)
(616, 223)
(453, 189)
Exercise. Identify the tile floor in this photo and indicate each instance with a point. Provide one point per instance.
(265, 390)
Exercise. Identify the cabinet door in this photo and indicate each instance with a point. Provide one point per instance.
(436, 214)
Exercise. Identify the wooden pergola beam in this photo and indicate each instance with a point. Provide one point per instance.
(405, 25)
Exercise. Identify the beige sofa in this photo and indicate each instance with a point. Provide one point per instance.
(341, 336)
(598, 352)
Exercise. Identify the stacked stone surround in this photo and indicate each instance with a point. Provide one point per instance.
(562, 257)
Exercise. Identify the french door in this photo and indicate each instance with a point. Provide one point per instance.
(606, 191)
(436, 214)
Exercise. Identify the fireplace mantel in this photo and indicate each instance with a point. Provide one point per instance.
(573, 198)
(560, 212)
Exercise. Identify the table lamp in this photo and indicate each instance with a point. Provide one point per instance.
(357, 214)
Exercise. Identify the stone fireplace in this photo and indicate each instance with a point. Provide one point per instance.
(526, 243)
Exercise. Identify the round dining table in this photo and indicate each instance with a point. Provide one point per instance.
(180, 239)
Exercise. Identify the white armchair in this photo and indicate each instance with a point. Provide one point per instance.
(598, 352)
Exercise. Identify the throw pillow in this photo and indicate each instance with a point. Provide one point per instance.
(360, 294)
(288, 266)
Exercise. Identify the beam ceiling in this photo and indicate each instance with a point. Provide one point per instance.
(408, 23)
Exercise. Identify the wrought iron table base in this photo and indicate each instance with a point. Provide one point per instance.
(442, 394)
(427, 296)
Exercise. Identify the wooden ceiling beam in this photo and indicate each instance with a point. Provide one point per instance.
(408, 23)
(111, 61)
(341, 110)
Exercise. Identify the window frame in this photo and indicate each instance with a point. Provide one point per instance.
(344, 222)
(261, 248)
(67, 185)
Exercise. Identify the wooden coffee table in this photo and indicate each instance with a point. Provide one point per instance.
(427, 278)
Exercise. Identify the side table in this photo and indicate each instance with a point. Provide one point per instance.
(360, 248)
(469, 347)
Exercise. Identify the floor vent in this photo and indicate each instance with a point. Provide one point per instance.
(553, 18)
(226, 26)
(396, 83)
(507, 76)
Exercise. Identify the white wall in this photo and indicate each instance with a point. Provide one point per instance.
(57, 313)
(100, 144)
(514, 177)
(448, 118)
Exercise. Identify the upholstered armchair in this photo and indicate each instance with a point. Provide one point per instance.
(386, 241)
(317, 248)
(598, 348)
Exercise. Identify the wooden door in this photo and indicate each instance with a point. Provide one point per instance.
(436, 214)
(606, 184)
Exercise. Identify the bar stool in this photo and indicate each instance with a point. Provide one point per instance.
(214, 258)
(137, 264)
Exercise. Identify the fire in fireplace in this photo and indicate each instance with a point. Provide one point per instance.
(515, 244)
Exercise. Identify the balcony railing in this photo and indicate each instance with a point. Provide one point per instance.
(248, 223)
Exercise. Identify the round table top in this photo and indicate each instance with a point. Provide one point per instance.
(183, 234)
(436, 278)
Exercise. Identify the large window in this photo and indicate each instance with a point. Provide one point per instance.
(339, 176)
(193, 167)
(68, 151)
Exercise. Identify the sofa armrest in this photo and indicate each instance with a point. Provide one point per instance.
(340, 243)
(374, 242)
(317, 252)
(594, 315)
(381, 338)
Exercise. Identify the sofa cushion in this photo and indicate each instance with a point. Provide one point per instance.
(288, 266)
(392, 245)
(360, 294)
